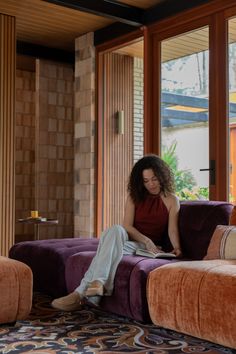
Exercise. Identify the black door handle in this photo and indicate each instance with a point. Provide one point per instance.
(212, 171)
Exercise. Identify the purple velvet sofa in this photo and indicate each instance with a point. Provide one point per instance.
(59, 265)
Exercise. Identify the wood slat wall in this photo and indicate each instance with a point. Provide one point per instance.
(118, 148)
(7, 120)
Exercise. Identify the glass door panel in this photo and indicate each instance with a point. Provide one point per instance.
(184, 111)
(232, 109)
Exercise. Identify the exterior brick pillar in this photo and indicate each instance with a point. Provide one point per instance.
(84, 191)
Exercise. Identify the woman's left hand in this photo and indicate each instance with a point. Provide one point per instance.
(177, 252)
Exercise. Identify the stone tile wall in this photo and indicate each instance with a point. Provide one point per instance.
(25, 152)
(84, 191)
(55, 147)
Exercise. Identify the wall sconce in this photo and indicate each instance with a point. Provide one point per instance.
(120, 122)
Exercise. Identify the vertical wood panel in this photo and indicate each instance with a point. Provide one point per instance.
(118, 149)
(7, 119)
(218, 108)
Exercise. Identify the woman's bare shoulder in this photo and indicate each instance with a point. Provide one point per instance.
(171, 200)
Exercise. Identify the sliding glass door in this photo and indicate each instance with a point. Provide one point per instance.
(184, 111)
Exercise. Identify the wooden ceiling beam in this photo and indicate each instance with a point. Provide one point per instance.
(112, 9)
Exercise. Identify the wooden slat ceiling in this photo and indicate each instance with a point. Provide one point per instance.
(187, 44)
(49, 25)
(41, 23)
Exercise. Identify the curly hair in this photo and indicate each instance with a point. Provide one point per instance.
(160, 169)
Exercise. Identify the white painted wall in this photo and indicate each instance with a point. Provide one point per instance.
(192, 149)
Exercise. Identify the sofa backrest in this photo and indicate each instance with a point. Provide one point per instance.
(197, 222)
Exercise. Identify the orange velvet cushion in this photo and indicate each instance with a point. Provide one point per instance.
(16, 284)
(195, 297)
(232, 219)
(223, 243)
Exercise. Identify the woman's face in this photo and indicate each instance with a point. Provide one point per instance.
(151, 182)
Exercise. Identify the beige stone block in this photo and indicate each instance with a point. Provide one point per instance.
(43, 165)
(52, 125)
(19, 95)
(61, 85)
(61, 166)
(70, 165)
(52, 137)
(19, 131)
(84, 67)
(68, 73)
(19, 82)
(60, 111)
(80, 130)
(68, 153)
(18, 143)
(52, 205)
(43, 151)
(60, 152)
(43, 205)
(52, 84)
(26, 120)
(84, 40)
(87, 113)
(61, 125)
(60, 99)
(84, 144)
(84, 176)
(51, 165)
(19, 106)
(60, 139)
(83, 98)
(60, 192)
(42, 179)
(69, 87)
(52, 152)
(52, 112)
(86, 208)
(18, 117)
(52, 71)
(52, 98)
(80, 222)
(52, 192)
(43, 192)
(69, 113)
(69, 192)
(82, 192)
(69, 140)
(87, 81)
(80, 161)
(68, 100)
(43, 83)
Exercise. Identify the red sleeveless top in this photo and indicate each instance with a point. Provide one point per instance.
(151, 218)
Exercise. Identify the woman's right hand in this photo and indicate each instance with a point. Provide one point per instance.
(150, 246)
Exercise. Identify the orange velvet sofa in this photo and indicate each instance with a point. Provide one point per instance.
(16, 284)
(197, 298)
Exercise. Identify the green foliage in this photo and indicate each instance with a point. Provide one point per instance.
(185, 182)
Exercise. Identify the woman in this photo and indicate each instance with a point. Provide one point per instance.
(151, 209)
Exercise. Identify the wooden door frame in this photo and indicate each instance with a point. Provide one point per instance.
(213, 15)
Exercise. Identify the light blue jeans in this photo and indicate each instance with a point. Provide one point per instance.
(113, 244)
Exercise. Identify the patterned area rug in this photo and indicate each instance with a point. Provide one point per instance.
(48, 331)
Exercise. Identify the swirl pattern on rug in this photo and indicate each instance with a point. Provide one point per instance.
(90, 330)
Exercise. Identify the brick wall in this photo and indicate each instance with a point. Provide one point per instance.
(55, 146)
(25, 151)
(45, 148)
(84, 190)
